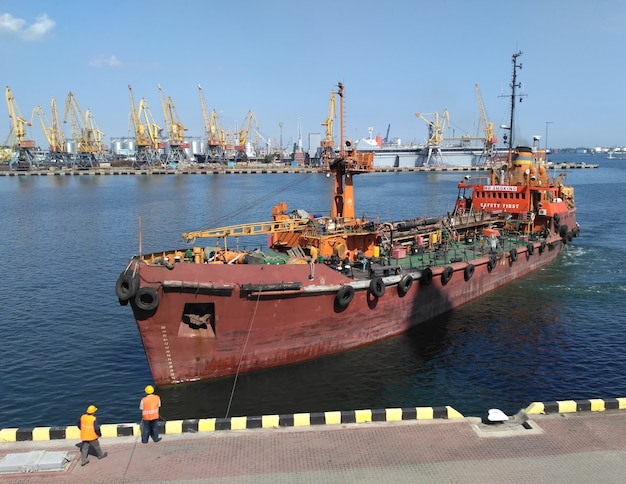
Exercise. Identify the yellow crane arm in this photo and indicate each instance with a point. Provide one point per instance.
(56, 133)
(18, 122)
(436, 128)
(328, 123)
(258, 228)
(141, 137)
(147, 120)
(39, 113)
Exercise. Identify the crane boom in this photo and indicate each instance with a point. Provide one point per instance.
(258, 228)
(490, 140)
(16, 138)
(216, 137)
(435, 128)
(85, 131)
(175, 130)
(141, 135)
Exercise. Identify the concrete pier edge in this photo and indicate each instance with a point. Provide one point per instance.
(300, 420)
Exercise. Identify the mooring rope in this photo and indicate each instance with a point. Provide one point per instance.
(243, 351)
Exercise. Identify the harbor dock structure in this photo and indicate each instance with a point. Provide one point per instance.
(568, 441)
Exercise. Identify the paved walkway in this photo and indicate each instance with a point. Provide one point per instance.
(577, 447)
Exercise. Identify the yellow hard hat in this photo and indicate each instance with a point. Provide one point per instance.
(149, 389)
(91, 409)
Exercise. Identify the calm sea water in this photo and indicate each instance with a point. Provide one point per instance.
(66, 343)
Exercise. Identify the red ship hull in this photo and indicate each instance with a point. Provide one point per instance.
(250, 330)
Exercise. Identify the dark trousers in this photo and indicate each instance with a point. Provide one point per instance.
(84, 451)
(149, 428)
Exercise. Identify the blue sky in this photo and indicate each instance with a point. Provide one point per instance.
(280, 59)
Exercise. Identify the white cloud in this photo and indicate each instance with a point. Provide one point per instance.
(103, 61)
(43, 24)
(9, 25)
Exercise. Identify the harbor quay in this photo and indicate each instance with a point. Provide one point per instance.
(251, 169)
(571, 441)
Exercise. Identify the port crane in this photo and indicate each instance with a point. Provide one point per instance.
(328, 151)
(175, 130)
(216, 136)
(55, 136)
(490, 140)
(243, 134)
(86, 134)
(16, 139)
(146, 132)
(436, 129)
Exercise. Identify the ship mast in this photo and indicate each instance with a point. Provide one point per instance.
(514, 85)
(347, 164)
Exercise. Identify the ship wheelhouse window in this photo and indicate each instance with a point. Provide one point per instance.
(200, 318)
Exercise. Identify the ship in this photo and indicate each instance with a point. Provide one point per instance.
(329, 284)
(393, 153)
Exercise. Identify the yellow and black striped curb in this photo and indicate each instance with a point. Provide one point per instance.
(238, 423)
(569, 406)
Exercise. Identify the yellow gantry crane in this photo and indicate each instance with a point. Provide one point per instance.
(146, 131)
(16, 139)
(436, 128)
(328, 143)
(490, 140)
(243, 134)
(86, 134)
(175, 130)
(53, 133)
(216, 136)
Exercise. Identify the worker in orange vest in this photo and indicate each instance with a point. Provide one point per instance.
(149, 407)
(89, 433)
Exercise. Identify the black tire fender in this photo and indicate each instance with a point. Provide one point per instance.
(491, 263)
(468, 272)
(344, 296)
(446, 275)
(531, 249)
(147, 298)
(405, 284)
(127, 285)
(513, 254)
(427, 276)
(377, 286)
(542, 247)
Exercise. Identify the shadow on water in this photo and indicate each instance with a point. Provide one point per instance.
(361, 378)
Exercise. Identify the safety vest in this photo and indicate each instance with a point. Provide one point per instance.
(150, 407)
(87, 428)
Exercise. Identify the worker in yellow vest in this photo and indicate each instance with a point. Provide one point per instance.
(89, 433)
(149, 407)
